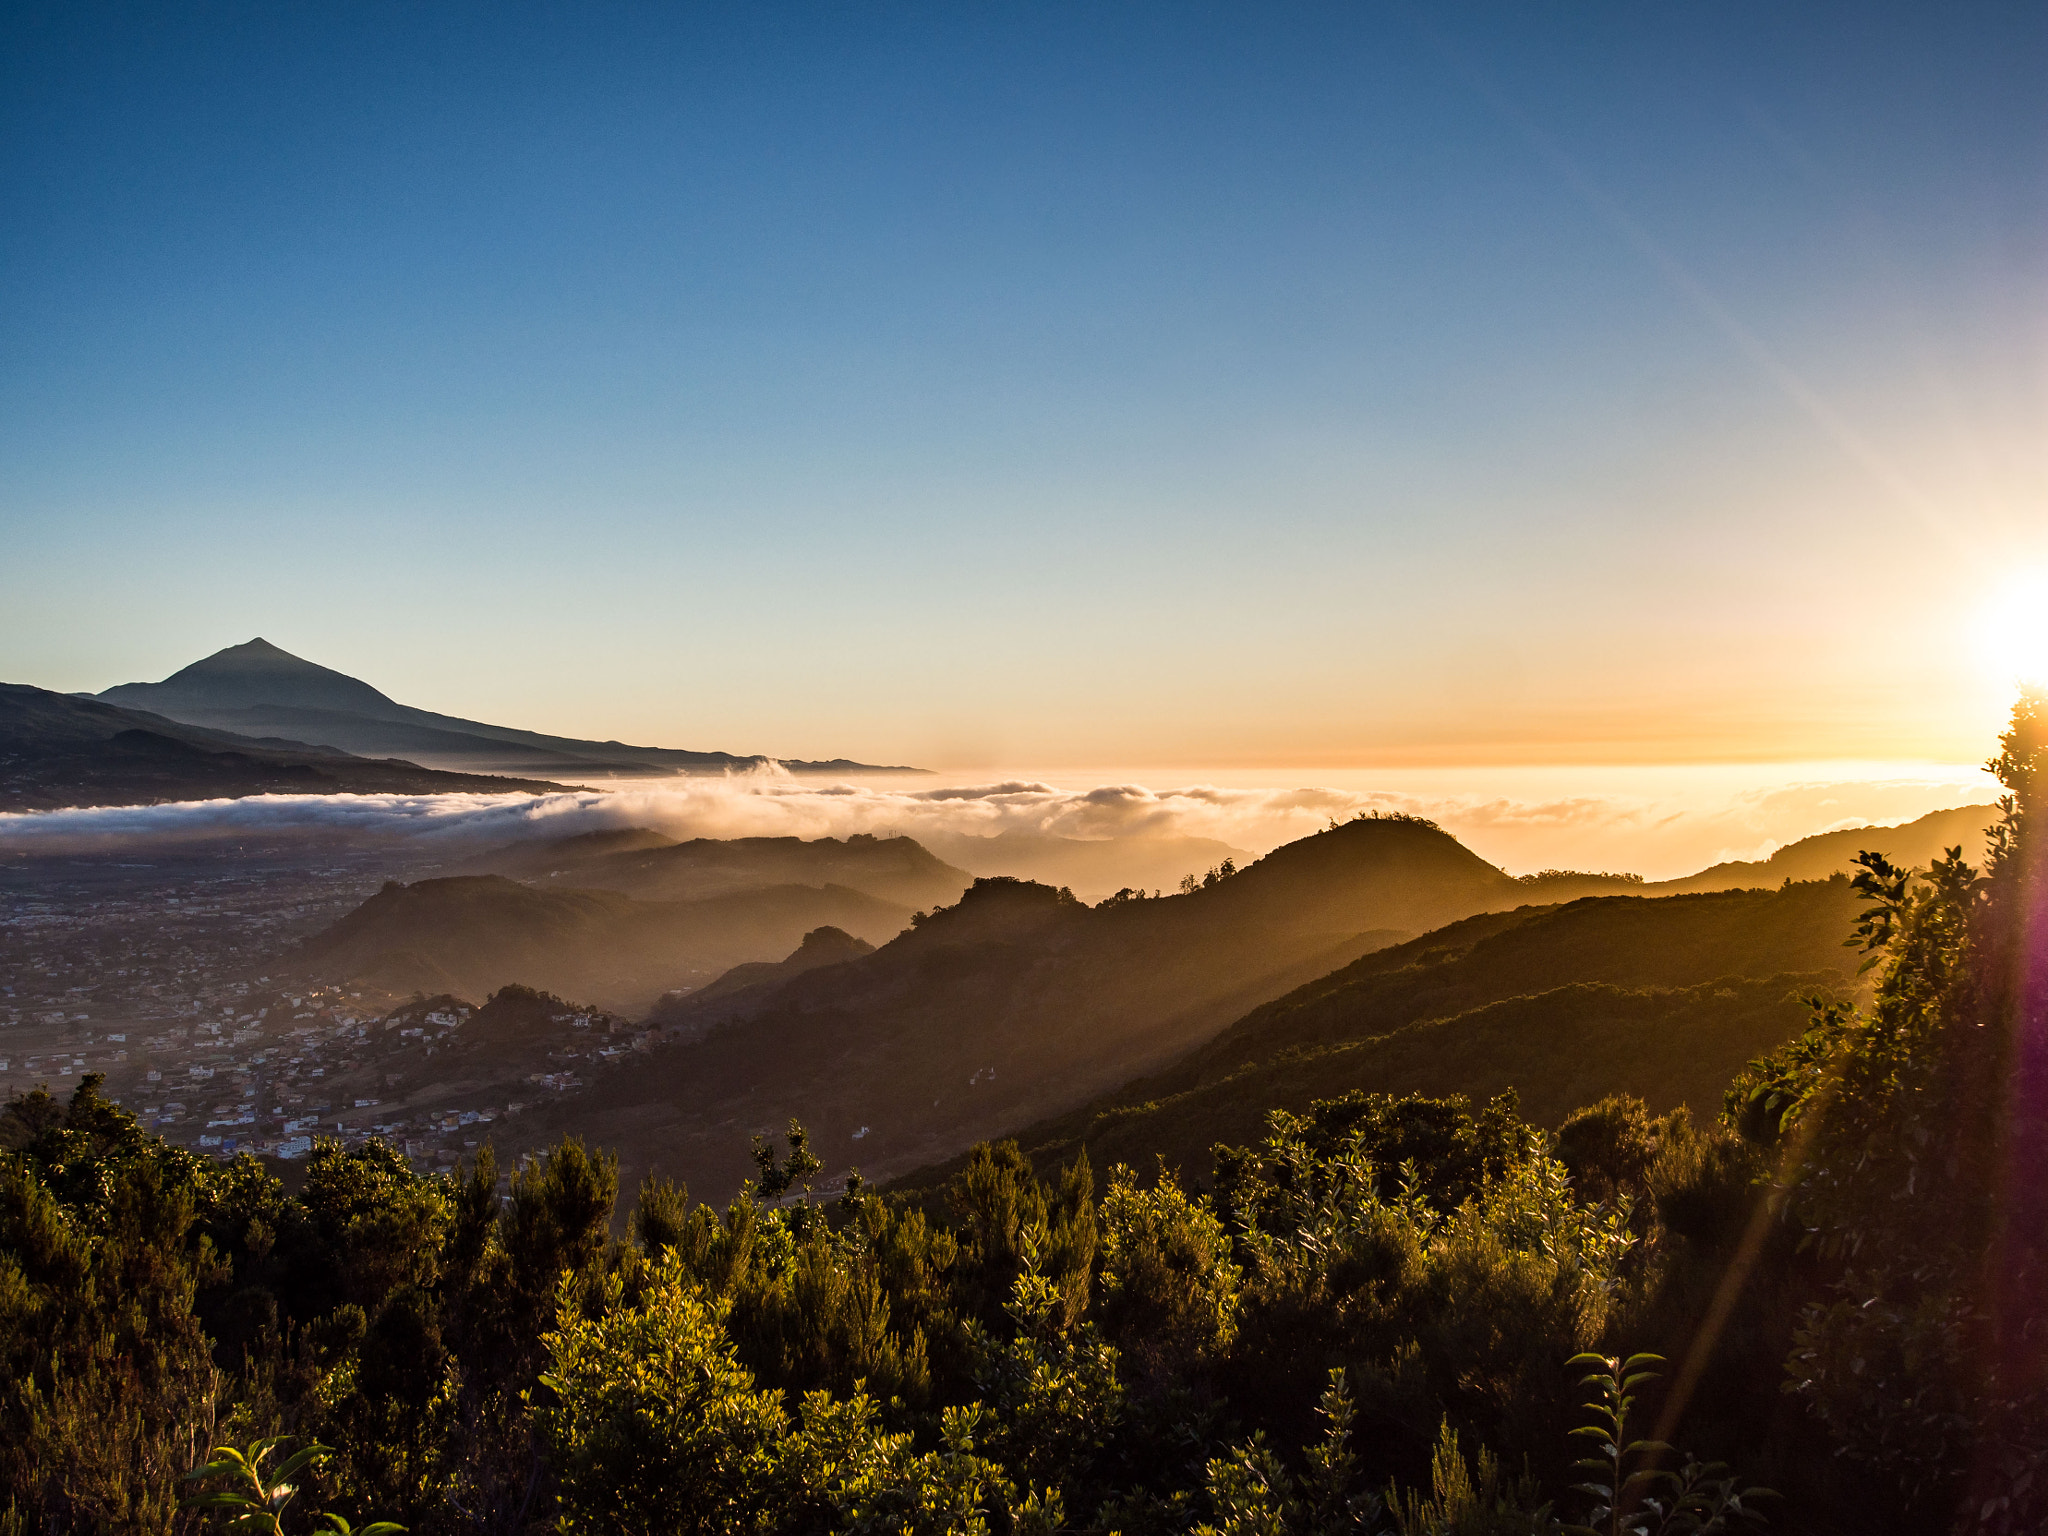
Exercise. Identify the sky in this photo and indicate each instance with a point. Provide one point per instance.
(1278, 387)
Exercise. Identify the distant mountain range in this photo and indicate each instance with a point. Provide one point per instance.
(643, 863)
(1918, 843)
(59, 750)
(257, 689)
(473, 934)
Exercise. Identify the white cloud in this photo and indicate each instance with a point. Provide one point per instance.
(1655, 827)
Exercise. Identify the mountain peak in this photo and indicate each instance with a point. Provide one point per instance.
(252, 675)
(254, 655)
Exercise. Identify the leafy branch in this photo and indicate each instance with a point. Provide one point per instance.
(256, 1500)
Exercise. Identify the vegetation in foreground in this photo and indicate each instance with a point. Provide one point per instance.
(1407, 1315)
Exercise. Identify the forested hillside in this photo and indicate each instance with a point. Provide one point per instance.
(1663, 998)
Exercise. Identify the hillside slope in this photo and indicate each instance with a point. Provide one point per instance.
(57, 750)
(475, 934)
(741, 990)
(1020, 1002)
(1918, 843)
(1663, 997)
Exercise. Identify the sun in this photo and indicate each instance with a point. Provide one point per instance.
(2012, 630)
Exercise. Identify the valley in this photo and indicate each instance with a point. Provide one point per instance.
(695, 993)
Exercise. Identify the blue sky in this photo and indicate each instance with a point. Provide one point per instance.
(1054, 384)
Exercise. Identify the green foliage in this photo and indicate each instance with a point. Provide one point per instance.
(1631, 1493)
(657, 1427)
(110, 1386)
(652, 1422)
(254, 1500)
(777, 1179)
(1468, 1499)
(1053, 1388)
(1251, 1492)
(1914, 1161)
(1168, 1284)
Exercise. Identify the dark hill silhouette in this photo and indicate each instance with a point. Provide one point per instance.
(1663, 997)
(475, 934)
(1376, 871)
(1019, 1002)
(685, 1015)
(656, 868)
(539, 860)
(1094, 868)
(516, 1019)
(257, 687)
(1917, 843)
(254, 674)
(59, 750)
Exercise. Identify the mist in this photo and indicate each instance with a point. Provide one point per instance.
(1655, 822)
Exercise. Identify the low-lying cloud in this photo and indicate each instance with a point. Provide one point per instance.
(1654, 827)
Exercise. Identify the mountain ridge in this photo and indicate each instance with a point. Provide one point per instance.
(1564, 1003)
(1019, 1001)
(641, 862)
(260, 687)
(61, 751)
(473, 934)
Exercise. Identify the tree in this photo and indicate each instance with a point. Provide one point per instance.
(1917, 1164)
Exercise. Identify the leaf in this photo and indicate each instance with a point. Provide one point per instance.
(299, 1459)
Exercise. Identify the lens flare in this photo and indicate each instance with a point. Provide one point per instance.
(2012, 630)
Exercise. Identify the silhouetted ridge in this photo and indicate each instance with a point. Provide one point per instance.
(61, 750)
(1664, 997)
(1017, 995)
(259, 688)
(477, 933)
(255, 673)
(646, 864)
(1372, 871)
(996, 906)
(737, 991)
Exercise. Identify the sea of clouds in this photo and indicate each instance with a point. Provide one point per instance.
(1657, 826)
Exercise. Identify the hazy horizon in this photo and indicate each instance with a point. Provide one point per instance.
(1657, 822)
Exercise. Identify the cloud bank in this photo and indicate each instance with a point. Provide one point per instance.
(1655, 827)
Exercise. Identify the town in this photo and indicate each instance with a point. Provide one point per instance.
(159, 979)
